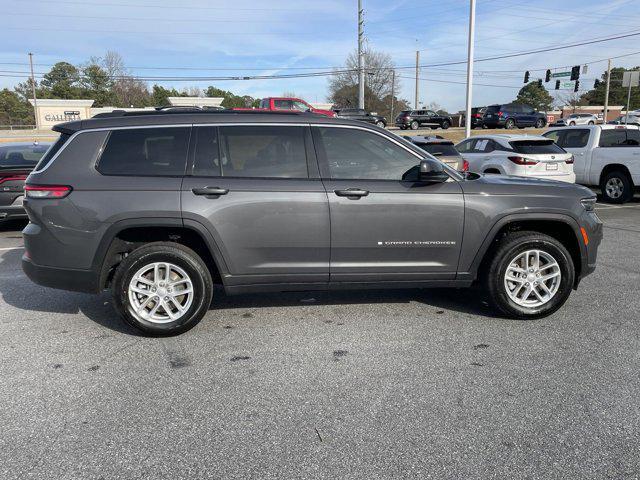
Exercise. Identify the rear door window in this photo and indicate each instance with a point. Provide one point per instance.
(145, 152)
(263, 152)
(536, 147)
(466, 146)
(206, 160)
(613, 137)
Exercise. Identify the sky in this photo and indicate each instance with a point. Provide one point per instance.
(249, 37)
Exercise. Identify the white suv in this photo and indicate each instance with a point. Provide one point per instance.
(577, 119)
(521, 155)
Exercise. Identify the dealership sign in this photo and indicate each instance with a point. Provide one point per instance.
(66, 117)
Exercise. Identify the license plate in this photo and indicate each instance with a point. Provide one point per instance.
(489, 115)
(552, 166)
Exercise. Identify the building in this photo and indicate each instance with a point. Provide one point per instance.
(50, 112)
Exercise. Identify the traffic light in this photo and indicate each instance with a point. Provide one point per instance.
(557, 84)
(577, 86)
(575, 72)
(547, 76)
(539, 82)
(596, 83)
(526, 76)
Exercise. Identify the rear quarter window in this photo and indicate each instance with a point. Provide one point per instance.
(53, 149)
(145, 152)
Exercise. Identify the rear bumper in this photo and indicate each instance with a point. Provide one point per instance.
(493, 122)
(10, 212)
(85, 281)
(565, 177)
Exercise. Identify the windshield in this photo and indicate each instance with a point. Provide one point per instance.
(536, 147)
(21, 155)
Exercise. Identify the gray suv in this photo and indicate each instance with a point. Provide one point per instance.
(159, 207)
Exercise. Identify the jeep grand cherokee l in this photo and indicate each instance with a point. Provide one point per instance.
(160, 206)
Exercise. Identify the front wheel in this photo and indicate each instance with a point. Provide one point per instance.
(162, 288)
(510, 124)
(414, 125)
(539, 123)
(381, 124)
(445, 125)
(530, 275)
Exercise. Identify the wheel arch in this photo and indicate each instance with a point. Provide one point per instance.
(561, 227)
(125, 236)
(612, 167)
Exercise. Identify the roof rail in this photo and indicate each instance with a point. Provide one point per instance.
(194, 110)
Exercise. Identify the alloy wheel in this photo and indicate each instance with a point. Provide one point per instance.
(160, 292)
(532, 278)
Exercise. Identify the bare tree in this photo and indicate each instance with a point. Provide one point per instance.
(378, 74)
(571, 99)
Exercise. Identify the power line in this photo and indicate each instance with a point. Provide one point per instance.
(181, 7)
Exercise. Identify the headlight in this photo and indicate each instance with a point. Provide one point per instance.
(589, 204)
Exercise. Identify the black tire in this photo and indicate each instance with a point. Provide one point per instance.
(414, 125)
(539, 123)
(174, 253)
(572, 124)
(445, 125)
(381, 124)
(507, 249)
(591, 122)
(621, 179)
(510, 124)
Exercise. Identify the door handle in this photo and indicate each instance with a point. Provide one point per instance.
(210, 191)
(351, 192)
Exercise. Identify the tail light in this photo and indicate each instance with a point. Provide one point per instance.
(47, 191)
(570, 160)
(12, 178)
(465, 166)
(476, 115)
(522, 161)
(500, 114)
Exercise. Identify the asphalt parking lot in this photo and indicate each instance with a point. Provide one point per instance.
(398, 384)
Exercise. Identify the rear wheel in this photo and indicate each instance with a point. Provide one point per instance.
(539, 123)
(510, 124)
(530, 275)
(380, 124)
(414, 125)
(162, 289)
(572, 124)
(616, 187)
(591, 122)
(445, 124)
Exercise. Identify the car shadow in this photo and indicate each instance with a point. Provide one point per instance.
(19, 292)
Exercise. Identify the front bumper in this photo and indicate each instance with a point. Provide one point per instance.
(593, 228)
(85, 281)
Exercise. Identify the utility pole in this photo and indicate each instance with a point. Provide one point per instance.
(360, 55)
(606, 95)
(472, 25)
(393, 92)
(415, 101)
(33, 90)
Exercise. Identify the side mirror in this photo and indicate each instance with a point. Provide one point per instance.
(432, 171)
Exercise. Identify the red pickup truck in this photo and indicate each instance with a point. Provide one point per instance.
(287, 103)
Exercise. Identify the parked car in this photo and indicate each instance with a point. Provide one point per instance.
(476, 117)
(289, 104)
(577, 119)
(16, 161)
(415, 119)
(632, 119)
(607, 156)
(513, 115)
(521, 155)
(363, 116)
(159, 207)
(443, 150)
